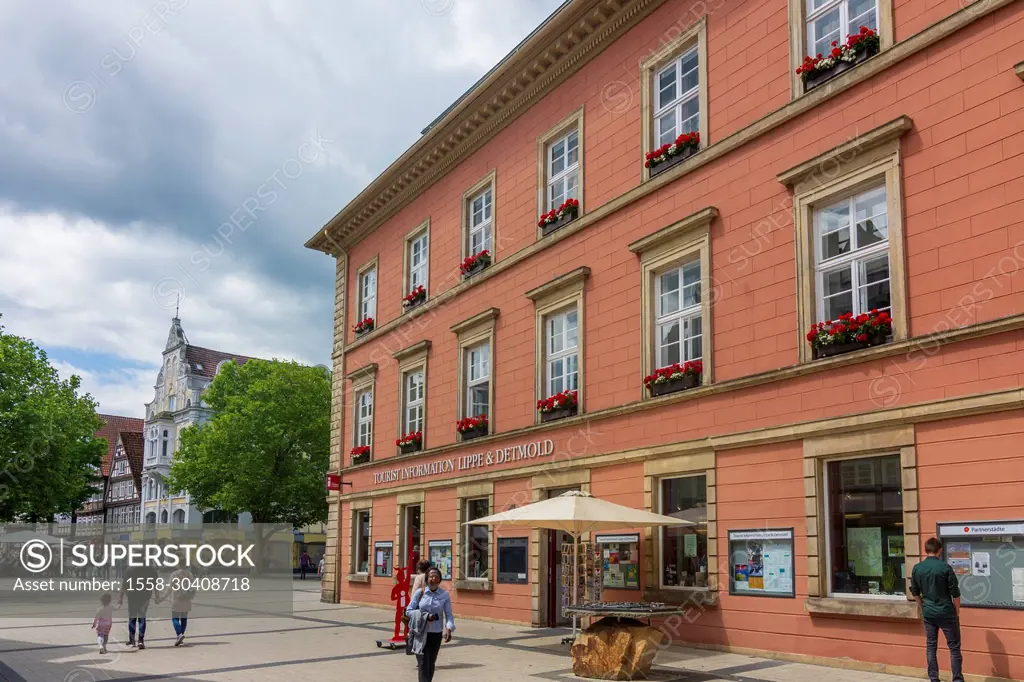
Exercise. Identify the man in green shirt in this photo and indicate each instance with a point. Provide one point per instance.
(937, 590)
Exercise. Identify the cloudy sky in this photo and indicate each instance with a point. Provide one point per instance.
(132, 132)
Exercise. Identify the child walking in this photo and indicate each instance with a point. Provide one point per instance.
(103, 621)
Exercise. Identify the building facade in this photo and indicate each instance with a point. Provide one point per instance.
(185, 372)
(124, 482)
(880, 192)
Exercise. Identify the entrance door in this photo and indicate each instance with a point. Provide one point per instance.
(413, 536)
(555, 540)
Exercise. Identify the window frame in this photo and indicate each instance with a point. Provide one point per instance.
(695, 36)
(465, 493)
(660, 559)
(411, 360)
(487, 183)
(420, 231)
(673, 246)
(551, 356)
(799, 46)
(870, 160)
(357, 513)
(472, 332)
(558, 294)
(574, 121)
(371, 266)
(468, 543)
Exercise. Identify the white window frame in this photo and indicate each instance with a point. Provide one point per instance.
(409, 404)
(567, 171)
(681, 99)
(828, 6)
(367, 293)
(681, 316)
(467, 545)
(855, 259)
(483, 380)
(483, 225)
(364, 420)
(825, 520)
(551, 356)
(419, 247)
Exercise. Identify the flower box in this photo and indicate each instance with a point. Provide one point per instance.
(360, 455)
(415, 298)
(858, 46)
(410, 442)
(558, 218)
(674, 378)
(849, 333)
(672, 154)
(560, 413)
(409, 448)
(472, 427)
(363, 327)
(475, 263)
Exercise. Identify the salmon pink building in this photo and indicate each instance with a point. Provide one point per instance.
(666, 254)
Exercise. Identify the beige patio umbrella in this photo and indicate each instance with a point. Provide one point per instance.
(577, 513)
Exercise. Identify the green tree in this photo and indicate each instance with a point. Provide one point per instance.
(49, 454)
(267, 447)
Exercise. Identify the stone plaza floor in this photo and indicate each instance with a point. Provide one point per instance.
(332, 642)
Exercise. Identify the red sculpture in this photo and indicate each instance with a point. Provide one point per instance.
(400, 595)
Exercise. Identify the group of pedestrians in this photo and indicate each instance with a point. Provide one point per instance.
(430, 619)
(138, 586)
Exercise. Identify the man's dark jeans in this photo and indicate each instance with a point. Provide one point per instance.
(950, 626)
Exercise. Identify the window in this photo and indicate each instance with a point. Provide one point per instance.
(833, 20)
(478, 233)
(674, 91)
(562, 344)
(477, 558)
(560, 164)
(364, 418)
(417, 258)
(849, 231)
(559, 361)
(684, 549)
(172, 403)
(677, 98)
(478, 375)
(163, 445)
(368, 292)
(678, 324)
(412, 420)
(361, 545)
(864, 526)
(852, 259)
(563, 169)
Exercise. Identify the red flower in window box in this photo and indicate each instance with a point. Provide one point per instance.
(861, 45)
(849, 333)
(360, 454)
(475, 263)
(414, 438)
(675, 377)
(569, 207)
(363, 326)
(471, 423)
(415, 297)
(687, 143)
(560, 401)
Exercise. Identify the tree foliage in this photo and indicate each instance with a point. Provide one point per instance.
(49, 455)
(267, 447)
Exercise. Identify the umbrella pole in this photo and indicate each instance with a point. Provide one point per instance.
(575, 578)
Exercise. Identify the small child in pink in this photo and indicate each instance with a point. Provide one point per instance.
(103, 621)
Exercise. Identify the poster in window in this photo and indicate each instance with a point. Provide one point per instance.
(896, 546)
(440, 553)
(383, 553)
(864, 550)
(986, 558)
(761, 562)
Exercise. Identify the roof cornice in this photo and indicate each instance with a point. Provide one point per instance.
(570, 39)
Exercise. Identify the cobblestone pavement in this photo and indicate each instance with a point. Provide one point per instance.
(330, 642)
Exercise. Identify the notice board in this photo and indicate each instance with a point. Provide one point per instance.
(988, 558)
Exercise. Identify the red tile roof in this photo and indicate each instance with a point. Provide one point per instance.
(204, 361)
(134, 447)
(112, 425)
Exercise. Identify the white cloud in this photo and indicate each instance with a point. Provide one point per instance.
(122, 392)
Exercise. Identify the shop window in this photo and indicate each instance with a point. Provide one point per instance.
(560, 164)
(477, 558)
(478, 217)
(684, 549)
(864, 525)
(361, 542)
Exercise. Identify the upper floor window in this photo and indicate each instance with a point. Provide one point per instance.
(417, 257)
(677, 98)
(163, 445)
(412, 420)
(478, 376)
(368, 293)
(364, 418)
(562, 342)
(563, 169)
(172, 403)
(852, 260)
(560, 166)
(834, 20)
(559, 323)
(480, 222)
(679, 328)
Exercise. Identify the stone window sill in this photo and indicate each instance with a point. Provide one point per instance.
(863, 608)
(471, 585)
(698, 596)
(358, 577)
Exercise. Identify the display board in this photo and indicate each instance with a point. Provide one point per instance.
(619, 556)
(512, 560)
(988, 558)
(383, 555)
(440, 555)
(761, 562)
(588, 575)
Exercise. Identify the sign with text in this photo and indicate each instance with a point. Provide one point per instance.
(515, 454)
(333, 482)
(968, 529)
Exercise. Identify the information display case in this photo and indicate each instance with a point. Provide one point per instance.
(512, 560)
(383, 555)
(620, 560)
(988, 559)
(761, 562)
(439, 553)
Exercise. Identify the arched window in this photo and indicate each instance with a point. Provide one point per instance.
(163, 516)
(151, 518)
(163, 451)
(179, 516)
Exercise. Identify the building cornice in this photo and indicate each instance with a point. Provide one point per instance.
(417, 348)
(560, 48)
(573, 279)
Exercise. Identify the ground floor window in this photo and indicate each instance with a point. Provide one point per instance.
(361, 549)
(477, 550)
(684, 549)
(864, 522)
